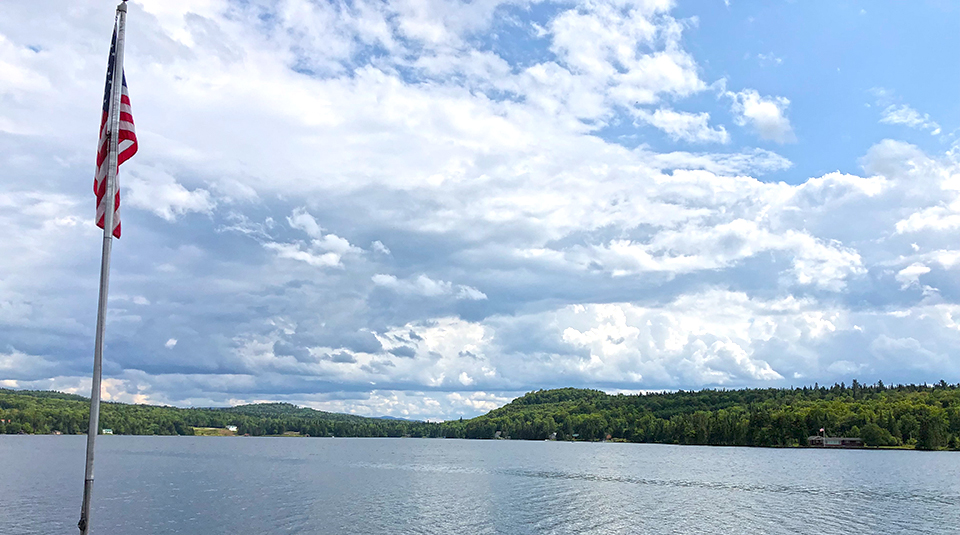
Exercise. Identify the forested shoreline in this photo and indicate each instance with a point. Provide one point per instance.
(919, 416)
(913, 416)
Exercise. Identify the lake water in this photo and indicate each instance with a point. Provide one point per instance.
(210, 485)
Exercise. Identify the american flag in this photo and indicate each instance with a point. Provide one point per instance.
(126, 147)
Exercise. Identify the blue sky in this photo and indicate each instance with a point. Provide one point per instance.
(426, 208)
(830, 60)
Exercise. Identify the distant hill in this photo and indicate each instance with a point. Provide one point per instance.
(397, 419)
(277, 410)
(291, 410)
(47, 394)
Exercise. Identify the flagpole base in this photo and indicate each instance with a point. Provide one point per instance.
(83, 524)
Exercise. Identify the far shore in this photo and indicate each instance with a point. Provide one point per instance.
(222, 432)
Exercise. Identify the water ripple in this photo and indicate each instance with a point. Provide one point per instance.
(840, 494)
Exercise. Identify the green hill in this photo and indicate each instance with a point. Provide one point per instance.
(289, 410)
(921, 416)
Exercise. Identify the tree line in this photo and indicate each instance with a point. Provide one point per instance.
(919, 416)
(40, 412)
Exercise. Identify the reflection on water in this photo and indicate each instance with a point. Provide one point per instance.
(203, 485)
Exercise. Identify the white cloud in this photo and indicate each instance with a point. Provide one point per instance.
(613, 53)
(323, 250)
(882, 95)
(688, 249)
(427, 287)
(716, 337)
(910, 275)
(161, 194)
(16, 365)
(471, 293)
(907, 349)
(902, 114)
(844, 368)
(934, 217)
(769, 59)
(421, 285)
(682, 126)
(710, 338)
(907, 116)
(421, 405)
(135, 299)
(171, 343)
(302, 220)
(766, 115)
(295, 251)
(753, 162)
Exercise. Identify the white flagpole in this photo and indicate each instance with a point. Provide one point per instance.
(109, 200)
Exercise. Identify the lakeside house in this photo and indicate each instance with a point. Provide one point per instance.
(232, 428)
(834, 442)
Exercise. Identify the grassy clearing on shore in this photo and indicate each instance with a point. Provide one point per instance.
(212, 432)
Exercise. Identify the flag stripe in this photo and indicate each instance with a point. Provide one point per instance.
(126, 141)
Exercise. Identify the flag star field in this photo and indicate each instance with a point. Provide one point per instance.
(424, 208)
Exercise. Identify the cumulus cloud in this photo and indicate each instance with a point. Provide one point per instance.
(322, 250)
(693, 248)
(766, 115)
(605, 56)
(161, 194)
